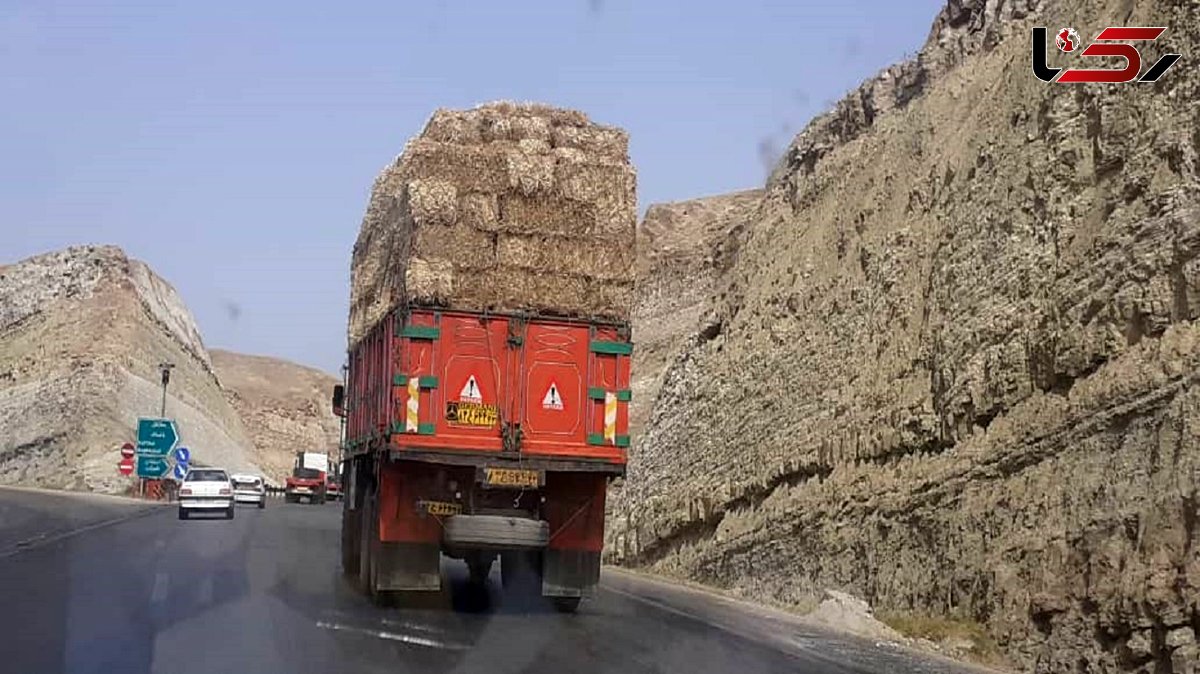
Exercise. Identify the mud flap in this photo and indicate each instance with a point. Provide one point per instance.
(570, 573)
(408, 566)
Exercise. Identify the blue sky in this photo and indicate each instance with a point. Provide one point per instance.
(232, 145)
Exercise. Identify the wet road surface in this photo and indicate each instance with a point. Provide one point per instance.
(140, 591)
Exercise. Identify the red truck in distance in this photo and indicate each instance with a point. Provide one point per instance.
(308, 478)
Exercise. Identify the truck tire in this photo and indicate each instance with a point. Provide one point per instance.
(366, 561)
(520, 571)
(262, 503)
(496, 531)
(350, 541)
(183, 514)
(566, 604)
(479, 568)
(229, 512)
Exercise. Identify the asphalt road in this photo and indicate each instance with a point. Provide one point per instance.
(140, 591)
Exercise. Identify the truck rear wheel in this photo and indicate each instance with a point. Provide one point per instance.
(367, 545)
(566, 604)
(351, 532)
(479, 566)
(520, 571)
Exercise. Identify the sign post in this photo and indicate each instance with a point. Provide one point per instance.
(125, 465)
(156, 439)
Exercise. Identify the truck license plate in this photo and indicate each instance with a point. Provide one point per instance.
(439, 507)
(511, 477)
(472, 414)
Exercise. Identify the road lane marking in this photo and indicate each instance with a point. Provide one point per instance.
(47, 538)
(393, 636)
(161, 584)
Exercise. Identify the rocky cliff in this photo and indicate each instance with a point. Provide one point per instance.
(82, 332)
(680, 255)
(952, 367)
(284, 407)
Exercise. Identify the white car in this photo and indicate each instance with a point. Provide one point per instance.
(249, 489)
(206, 490)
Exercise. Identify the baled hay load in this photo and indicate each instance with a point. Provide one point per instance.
(506, 207)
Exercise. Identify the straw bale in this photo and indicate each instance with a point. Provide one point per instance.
(595, 140)
(530, 174)
(454, 126)
(534, 146)
(432, 202)
(599, 258)
(506, 206)
(531, 128)
(556, 116)
(610, 189)
(505, 289)
(480, 211)
(471, 168)
(611, 299)
(495, 127)
(460, 244)
(429, 282)
(520, 214)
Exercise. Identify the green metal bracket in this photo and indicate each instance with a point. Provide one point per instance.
(424, 381)
(597, 393)
(420, 332)
(619, 348)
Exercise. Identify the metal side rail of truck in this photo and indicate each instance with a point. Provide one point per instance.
(482, 437)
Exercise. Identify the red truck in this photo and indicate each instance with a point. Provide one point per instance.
(308, 478)
(482, 436)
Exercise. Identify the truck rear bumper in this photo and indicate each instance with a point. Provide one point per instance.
(495, 532)
(465, 458)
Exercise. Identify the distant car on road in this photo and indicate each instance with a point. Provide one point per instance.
(249, 489)
(206, 490)
(333, 488)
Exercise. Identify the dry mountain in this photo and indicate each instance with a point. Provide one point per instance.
(82, 332)
(951, 363)
(283, 406)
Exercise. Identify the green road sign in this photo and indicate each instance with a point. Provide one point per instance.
(156, 437)
(152, 467)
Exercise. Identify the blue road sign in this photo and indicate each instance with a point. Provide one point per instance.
(156, 437)
(180, 471)
(183, 455)
(153, 467)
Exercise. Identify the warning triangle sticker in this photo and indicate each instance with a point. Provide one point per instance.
(470, 391)
(552, 401)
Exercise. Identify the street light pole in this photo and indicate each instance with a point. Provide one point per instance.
(166, 379)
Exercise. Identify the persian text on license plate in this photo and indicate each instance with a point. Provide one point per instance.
(511, 477)
(472, 414)
(439, 507)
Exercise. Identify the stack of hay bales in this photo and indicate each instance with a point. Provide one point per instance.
(505, 207)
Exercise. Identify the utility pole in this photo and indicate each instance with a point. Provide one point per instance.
(166, 379)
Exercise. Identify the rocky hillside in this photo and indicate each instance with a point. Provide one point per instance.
(680, 254)
(283, 406)
(82, 332)
(952, 367)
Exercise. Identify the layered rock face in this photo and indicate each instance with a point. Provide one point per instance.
(952, 366)
(680, 255)
(82, 332)
(284, 407)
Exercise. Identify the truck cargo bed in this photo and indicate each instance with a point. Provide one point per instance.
(432, 384)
